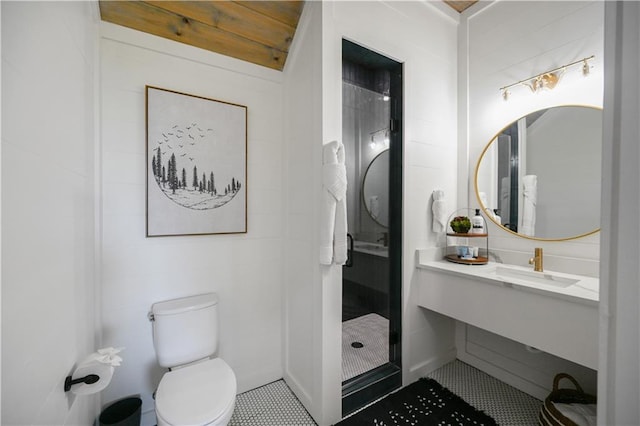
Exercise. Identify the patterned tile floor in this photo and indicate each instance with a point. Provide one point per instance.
(270, 405)
(365, 344)
(507, 405)
(275, 405)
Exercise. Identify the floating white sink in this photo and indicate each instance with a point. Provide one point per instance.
(548, 278)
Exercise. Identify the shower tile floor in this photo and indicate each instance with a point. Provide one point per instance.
(275, 405)
(365, 344)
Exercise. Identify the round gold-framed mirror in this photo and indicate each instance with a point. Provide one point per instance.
(542, 174)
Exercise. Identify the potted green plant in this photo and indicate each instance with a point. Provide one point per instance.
(460, 224)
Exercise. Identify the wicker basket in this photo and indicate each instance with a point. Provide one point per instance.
(567, 407)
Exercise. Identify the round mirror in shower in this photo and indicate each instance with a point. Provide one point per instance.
(375, 189)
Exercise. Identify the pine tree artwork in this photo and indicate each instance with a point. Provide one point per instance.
(195, 177)
(196, 160)
(203, 193)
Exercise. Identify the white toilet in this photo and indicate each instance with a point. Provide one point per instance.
(198, 390)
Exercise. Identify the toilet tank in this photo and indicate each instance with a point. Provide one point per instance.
(186, 329)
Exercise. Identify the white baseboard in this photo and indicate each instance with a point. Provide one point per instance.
(525, 368)
(259, 379)
(494, 369)
(427, 366)
(507, 377)
(298, 390)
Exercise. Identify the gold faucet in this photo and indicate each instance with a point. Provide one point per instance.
(536, 260)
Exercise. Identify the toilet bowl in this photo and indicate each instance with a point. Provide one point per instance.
(199, 394)
(199, 388)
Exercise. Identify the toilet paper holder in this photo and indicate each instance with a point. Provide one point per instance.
(94, 373)
(88, 379)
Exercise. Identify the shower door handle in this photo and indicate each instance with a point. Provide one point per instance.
(349, 262)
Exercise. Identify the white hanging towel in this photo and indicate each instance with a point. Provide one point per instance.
(439, 210)
(505, 197)
(374, 206)
(333, 220)
(530, 196)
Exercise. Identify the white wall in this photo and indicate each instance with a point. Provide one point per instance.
(47, 81)
(303, 288)
(48, 286)
(571, 167)
(512, 40)
(424, 38)
(246, 270)
(505, 42)
(619, 378)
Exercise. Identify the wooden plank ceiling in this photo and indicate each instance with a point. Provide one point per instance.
(255, 31)
(460, 6)
(259, 31)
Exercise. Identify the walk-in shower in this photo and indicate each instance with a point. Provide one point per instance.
(371, 309)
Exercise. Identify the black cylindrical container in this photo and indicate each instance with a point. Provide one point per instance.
(125, 412)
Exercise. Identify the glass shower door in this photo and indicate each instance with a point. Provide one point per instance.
(371, 308)
(365, 306)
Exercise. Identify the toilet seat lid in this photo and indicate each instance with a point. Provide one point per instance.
(197, 394)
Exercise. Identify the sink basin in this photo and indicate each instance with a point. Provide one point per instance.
(548, 278)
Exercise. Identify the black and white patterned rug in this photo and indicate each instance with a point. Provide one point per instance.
(424, 402)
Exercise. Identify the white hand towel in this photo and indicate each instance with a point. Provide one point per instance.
(505, 196)
(333, 221)
(530, 198)
(580, 414)
(439, 210)
(374, 206)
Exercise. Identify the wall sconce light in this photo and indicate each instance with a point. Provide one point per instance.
(586, 69)
(379, 137)
(548, 79)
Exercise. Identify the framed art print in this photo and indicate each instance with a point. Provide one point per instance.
(196, 165)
